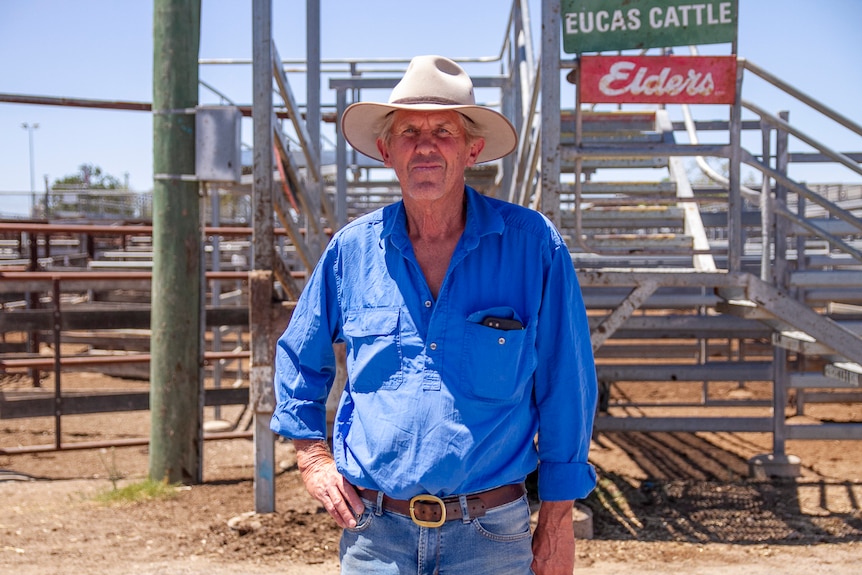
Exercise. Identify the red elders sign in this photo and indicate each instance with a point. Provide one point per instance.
(658, 79)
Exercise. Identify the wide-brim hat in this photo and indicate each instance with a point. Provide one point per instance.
(430, 83)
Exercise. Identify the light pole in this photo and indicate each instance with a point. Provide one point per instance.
(30, 128)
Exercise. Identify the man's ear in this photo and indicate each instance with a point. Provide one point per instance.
(381, 147)
(475, 149)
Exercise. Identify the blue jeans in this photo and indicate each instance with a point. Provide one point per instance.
(387, 543)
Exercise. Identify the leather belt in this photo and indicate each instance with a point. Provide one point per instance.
(431, 511)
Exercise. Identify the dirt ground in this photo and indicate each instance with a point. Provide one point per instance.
(666, 503)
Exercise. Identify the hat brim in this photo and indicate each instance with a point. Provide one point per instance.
(360, 124)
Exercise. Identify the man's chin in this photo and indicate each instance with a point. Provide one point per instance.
(424, 190)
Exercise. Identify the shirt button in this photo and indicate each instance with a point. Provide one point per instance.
(501, 341)
(428, 303)
(433, 346)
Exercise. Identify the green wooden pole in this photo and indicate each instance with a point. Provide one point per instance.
(175, 369)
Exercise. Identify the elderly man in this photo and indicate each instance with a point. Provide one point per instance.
(468, 355)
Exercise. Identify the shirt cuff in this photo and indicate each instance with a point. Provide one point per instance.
(293, 424)
(565, 481)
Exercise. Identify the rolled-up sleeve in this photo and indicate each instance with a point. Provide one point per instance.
(305, 360)
(566, 386)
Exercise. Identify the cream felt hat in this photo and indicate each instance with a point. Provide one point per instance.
(430, 83)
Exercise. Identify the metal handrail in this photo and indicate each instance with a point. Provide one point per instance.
(801, 96)
(312, 160)
(803, 191)
(778, 208)
(526, 156)
(785, 126)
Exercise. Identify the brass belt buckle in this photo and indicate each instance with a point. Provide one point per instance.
(428, 499)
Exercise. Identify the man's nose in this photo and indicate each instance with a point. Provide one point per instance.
(425, 140)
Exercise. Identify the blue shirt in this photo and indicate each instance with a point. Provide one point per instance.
(436, 402)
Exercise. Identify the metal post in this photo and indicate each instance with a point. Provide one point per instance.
(312, 112)
(340, 162)
(175, 367)
(779, 275)
(30, 128)
(47, 198)
(312, 76)
(58, 395)
(550, 73)
(735, 229)
(766, 208)
(510, 98)
(31, 298)
(260, 284)
(782, 229)
(779, 400)
(778, 463)
(215, 289)
(515, 83)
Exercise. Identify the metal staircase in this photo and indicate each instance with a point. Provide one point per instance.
(624, 217)
(775, 270)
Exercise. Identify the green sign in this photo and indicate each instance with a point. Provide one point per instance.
(600, 25)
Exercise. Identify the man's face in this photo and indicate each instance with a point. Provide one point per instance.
(429, 152)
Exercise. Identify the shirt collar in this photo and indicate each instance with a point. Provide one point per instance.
(482, 219)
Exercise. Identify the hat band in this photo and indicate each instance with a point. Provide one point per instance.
(428, 100)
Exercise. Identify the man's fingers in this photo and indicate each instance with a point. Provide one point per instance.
(353, 498)
(338, 508)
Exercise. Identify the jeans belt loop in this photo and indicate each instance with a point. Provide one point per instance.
(465, 509)
(379, 510)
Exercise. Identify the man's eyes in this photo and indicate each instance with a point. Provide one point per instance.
(436, 131)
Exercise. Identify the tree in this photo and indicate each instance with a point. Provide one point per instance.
(91, 193)
(89, 177)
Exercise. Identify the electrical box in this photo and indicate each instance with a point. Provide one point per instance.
(217, 144)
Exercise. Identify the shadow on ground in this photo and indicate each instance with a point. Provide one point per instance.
(696, 491)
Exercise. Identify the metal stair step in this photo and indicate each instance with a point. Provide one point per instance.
(711, 371)
(609, 121)
(599, 299)
(821, 278)
(848, 373)
(744, 308)
(820, 380)
(629, 188)
(606, 138)
(640, 212)
(840, 311)
(639, 242)
(835, 227)
(567, 157)
(799, 342)
(627, 217)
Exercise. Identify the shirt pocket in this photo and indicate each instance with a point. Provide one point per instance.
(495, 362)
(373, 349)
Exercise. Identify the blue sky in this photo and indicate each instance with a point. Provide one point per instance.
(103, 49)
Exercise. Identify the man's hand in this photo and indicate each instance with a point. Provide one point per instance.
(325, 483)
(554, 539)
